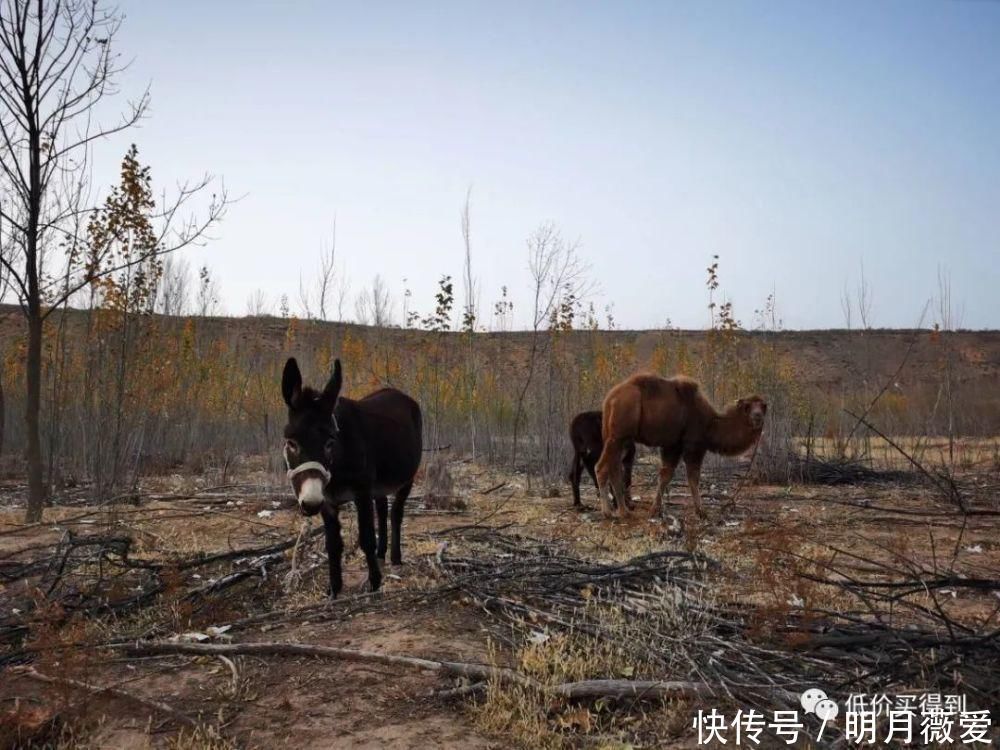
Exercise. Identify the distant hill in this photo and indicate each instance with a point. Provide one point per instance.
(823, 360)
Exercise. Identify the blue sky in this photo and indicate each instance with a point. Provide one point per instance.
(795, 140)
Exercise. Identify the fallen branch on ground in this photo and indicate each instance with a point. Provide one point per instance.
(585, 689)
(96, 574)
(462, 669)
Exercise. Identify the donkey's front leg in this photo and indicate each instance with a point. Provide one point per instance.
(382, 511)
(334, 548)
(366, 538)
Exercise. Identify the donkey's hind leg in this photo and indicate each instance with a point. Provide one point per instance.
(398, 504)
(589, 462)
(382, 510)
(575, 472)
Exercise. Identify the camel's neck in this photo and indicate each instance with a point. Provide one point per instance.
(730, 434)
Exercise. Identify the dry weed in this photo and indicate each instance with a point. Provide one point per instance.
(201, 737)
(533, 718)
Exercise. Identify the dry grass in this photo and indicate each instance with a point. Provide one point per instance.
(532, 719)
(763, 545)
(968, 453)
(609, 644)
(200, 738)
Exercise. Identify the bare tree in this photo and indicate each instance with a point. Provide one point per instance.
(556, 272)
(946, 326)
(173, 296)
(864, 300)
(846, 305)
(374, 304)
(4, 290)
(305, 303)
(470, 310)
(342, 287)
(56, 67)
(328, 278)
(319, 300)
(208, 294)
(470, 315)
(257, 304)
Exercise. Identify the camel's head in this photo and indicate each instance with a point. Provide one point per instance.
(754, 408)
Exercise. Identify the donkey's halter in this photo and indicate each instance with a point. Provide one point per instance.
(311, 466)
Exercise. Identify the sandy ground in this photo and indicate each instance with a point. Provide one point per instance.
(307, 703)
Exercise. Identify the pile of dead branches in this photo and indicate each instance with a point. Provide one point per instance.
(841, 471)
(659, 609)
(96, 575)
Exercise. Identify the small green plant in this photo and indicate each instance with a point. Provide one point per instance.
(445, 298)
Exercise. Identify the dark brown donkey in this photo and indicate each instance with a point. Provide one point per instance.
(585, 434)
(338, 450)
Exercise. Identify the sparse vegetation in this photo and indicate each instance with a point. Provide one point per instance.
(158, 588)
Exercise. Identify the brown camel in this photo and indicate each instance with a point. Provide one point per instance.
(585, 435)
(673, 415)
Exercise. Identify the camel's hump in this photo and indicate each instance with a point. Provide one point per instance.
(649, 383)
(686, 387)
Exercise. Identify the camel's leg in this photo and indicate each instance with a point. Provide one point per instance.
(618, 486)
(615, 502)
(692, 463)
(589, 463)
(619, 421)
(620, 494)
(609, 467)
(668, 464)
(628, 461)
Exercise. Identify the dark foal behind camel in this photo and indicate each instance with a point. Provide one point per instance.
(673, 415)
(339, 450)
(585, 435)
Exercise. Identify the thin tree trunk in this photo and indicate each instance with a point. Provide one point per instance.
(523, 394)
(3, 415)
(32, 417)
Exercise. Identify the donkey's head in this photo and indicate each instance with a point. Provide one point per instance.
(312, 437)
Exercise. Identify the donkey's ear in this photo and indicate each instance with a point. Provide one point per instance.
(291, 382)
(332, 390)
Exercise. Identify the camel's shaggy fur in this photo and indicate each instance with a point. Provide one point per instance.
(671, 414)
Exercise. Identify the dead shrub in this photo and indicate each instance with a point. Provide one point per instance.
(439, 485)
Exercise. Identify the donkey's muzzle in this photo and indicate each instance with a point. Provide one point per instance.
(309, 480)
